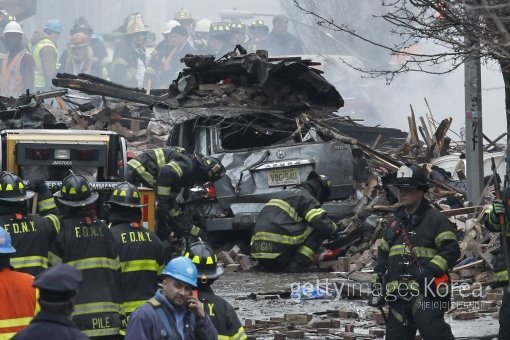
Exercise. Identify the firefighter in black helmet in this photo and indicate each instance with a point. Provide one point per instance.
(167, 171)
(140, 250)
(414, 256)
(222, 314)
(292, 226)
(87, 244)
(32, 235)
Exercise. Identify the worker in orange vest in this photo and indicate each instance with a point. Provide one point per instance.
(18, 302)
(18, 68)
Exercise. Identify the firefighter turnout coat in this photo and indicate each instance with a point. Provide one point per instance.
(88, 245)
(286, 222)
(141, 261)
(166, 171)
(500, 275)
(433, 241)
(33, 236)
(222, 315)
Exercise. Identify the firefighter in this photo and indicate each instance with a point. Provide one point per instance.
(88, 245)
(140, 250)
(32, 235)
(167, 171)
(18, 303)
(500, 276)
(220, 311)
(173, 313)
(292, 226)
(128, 65)
(414, 256)
(57, 287)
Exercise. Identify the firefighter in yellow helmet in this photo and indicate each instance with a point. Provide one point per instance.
(32, 235)
(222, 314)
(140, 250)
(87, 244)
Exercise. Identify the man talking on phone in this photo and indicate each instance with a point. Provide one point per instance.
(174, 312)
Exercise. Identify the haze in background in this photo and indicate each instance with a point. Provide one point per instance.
(391, 102)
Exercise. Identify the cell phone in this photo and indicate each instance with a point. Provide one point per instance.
(194, 293)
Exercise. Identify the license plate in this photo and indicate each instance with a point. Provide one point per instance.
(283, 176)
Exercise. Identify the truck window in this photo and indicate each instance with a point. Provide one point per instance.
(55, 173)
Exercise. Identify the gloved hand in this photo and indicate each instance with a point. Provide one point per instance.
(377, 294)
(426, 275)
(38, 185)
(498, 207)
(336, 235)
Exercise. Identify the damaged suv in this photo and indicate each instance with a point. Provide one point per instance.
(258, 116)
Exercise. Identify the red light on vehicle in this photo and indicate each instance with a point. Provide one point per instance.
(211, 191)
(85, 155)
(39, 154)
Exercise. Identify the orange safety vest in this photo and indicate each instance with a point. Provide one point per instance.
(12, 82)
(18, 302)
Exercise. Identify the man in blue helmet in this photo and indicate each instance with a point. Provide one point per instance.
(174, 312)
(45, 53)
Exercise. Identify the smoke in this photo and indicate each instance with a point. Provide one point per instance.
(444, 93)
(390, 103)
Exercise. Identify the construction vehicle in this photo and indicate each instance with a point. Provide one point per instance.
(100, 156)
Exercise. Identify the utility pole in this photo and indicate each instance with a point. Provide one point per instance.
(474, 132)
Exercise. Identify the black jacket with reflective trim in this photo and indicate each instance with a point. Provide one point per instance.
(290, 212)
(32, 236)
(88, 245)
(222, 315)
(165, 175)
(432, 236)
(49, 325)
(141, 261)
(490, 221)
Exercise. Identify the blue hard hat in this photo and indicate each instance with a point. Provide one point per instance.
(6, 244)
(182, 269)
(53, 25)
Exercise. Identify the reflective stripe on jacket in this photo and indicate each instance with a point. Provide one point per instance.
(18, 302)
(222, 315)
(286, 221)
(141, 262)
(12, 82)
(88, 245)
(32, 236)
(433, 240)
(39, 79)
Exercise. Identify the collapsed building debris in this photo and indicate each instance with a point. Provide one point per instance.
(283, 101)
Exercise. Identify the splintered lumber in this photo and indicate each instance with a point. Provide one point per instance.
(462, 211)
(114, 91)
(332, 132)
(437, 139)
